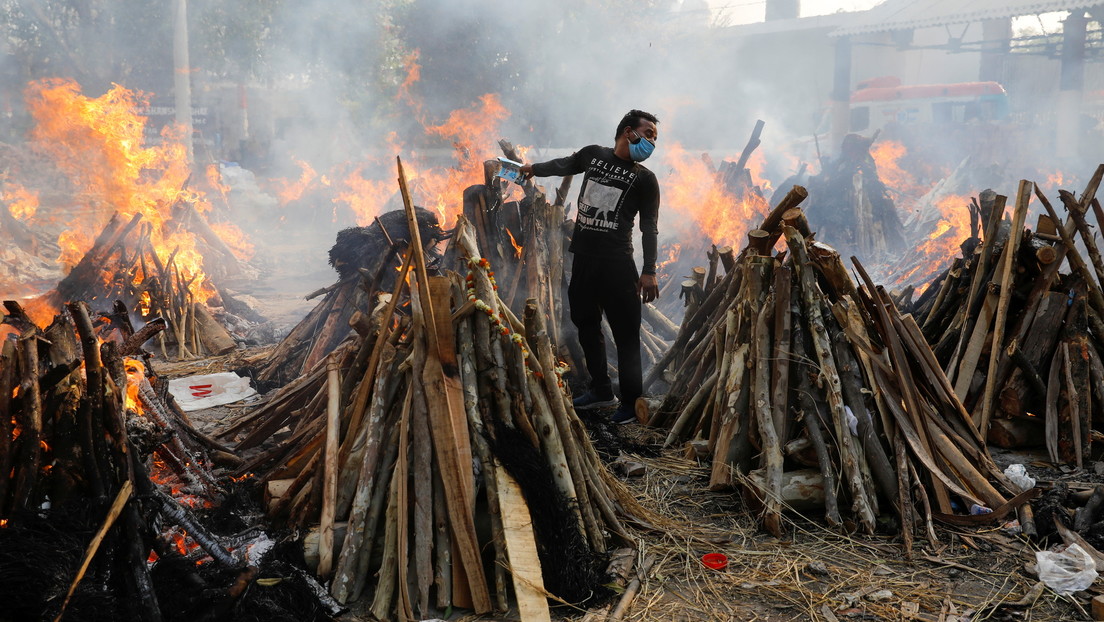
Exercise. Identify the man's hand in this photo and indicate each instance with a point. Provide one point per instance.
(647, 287)
(527, 171)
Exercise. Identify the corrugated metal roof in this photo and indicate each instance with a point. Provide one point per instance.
(908, 14)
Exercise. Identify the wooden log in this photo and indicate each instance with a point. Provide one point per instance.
(404, 607)
(732, 436)
(545, 421)
(690, 412)
(1074, 256)
(384, 595)
(8, 354)
(212, 335)
(92, 431)
(851, 383)
(780, 379)
(771, 449)
(728, 258)
(993, 207)
(563, 420)
(442, 546)
(1032, 355)
(631, 590)
(726, 341)
(1077, 211)
(796, 218)
(1017, 432)
(330, 467)
(760, 241)
(352, 560)
(663, 326)
(862, 503)
(809, 402)
(968, 363)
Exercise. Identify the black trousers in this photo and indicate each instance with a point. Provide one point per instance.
(608, 286)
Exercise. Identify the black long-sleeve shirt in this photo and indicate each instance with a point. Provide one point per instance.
(614, 191)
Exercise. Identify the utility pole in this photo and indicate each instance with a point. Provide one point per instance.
(182, 78)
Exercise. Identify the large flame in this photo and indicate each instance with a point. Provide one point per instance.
(935, 251)
(98, 144)
(366, 190)
(693, 190)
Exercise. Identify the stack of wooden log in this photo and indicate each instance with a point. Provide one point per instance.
(1020, 340)
(123, 265)
(85, 434)
(810, 391)
(430, 423)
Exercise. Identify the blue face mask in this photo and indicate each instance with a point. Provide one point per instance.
(641, 149)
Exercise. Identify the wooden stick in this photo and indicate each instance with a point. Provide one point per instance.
(1074, 256)
(1011, 249)
(632, 590)
(113, 513)
(771, 456)
(329, 492)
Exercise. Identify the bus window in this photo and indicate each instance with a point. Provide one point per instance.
(860, 118)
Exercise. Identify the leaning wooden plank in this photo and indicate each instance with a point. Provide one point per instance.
(444, 410)
(521, 546)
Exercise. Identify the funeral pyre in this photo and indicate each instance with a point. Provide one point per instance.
(109, 502)
(383, 433)
(810, 392)
(120, 217)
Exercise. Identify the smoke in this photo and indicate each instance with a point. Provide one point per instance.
(342, 87)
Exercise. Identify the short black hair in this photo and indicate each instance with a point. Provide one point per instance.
(633, 119)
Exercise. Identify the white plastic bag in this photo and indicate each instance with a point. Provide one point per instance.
(1066, 570)
(199, 392)
(1017, 474)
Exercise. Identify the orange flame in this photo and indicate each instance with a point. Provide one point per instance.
(98, 143)
(472, 132)
(942, 243)
(22, 203)
(517, 247)
(135, 372)
(693, 190)
(293, 191)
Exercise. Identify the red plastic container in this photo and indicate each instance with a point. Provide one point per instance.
(716, 561)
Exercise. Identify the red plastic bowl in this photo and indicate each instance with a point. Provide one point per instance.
(716, 561)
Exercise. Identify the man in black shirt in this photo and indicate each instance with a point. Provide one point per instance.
(616, 188)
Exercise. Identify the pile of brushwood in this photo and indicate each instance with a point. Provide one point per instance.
(810, 392)
(109, 505)
(375, 446)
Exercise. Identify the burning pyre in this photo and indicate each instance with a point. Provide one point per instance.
(107, 495)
